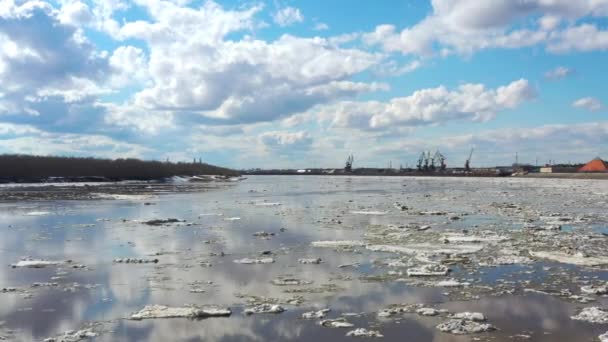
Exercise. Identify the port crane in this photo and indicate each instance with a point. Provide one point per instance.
(440, 160)
(421, 160)
(349, 163)
(467, 163)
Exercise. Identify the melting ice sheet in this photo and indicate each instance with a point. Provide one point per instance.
(308, 258)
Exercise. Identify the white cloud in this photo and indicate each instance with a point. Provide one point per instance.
(585, 37)
(75, 13)
(558, 73)
(292, 141)
(42, 56)
(239, 81)
(588, 103)
(130, 66)
(288, 16)
(466, 26)
(321, 27)
(429, 106)
(26, 139)
(142, 120)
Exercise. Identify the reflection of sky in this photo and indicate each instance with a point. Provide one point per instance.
(308, 205)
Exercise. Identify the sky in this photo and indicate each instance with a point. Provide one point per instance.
(294, 84)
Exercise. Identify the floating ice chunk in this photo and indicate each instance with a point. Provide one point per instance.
(603, 337)
(134, 261)
(310, 261)
(290, 282)
(267, 204)
(428, 270)
(250, 261)
(395, 310)
(451, 283)
(362, 332)
(38, 213)
(315, 314)
(338, 243)
(73, 336)
(564, 258)
(35, 263)
(362, 212)
(510, 260)
(161, 222)
(265, 309)
(474, 238)
(263, 234)
(593, 315)
(336, 323)
(429, 249)
(470, 316)
(162, 311)
(463, 326)
(593, 289)
(232, 218)
(427, 312)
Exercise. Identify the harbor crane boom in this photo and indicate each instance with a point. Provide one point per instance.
(467, 164)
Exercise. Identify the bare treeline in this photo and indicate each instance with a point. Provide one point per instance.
(34, 168)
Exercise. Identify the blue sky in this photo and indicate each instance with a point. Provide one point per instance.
(305, 83)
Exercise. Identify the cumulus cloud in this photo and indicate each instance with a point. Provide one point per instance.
(26, 139)
(288, 16)
(558, 73)
(430, 106)
(130, 66)
(280, 140)
(145, 121)
(588, 103)
(585, 37)
(466, 26)
(41, 57)
(193, 68)
(321, 27)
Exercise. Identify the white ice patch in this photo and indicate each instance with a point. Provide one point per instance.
(593, 315)
(310, 261)
(38, 213)
(315, 314)
(474, 238)
(463, 326)
(264, 309)
(338, 244)
(470, 316)
(362, 332)
(249, 261)
(35, 263)
(267, 204)
(427, 249)
(362, 212)
(162, 311)
(336, 323)
(564, 258)
(121, 197)
(451, 283)
(429, 270)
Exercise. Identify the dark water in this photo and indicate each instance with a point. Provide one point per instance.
(310, 208)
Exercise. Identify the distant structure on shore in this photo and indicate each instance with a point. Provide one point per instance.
(596, 165)
(430, 164)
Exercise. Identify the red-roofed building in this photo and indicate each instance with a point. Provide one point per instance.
(596, 165)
